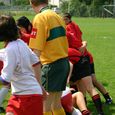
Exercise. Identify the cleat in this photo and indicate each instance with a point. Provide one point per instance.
(2, 110)
(109, 101)
(101, 113)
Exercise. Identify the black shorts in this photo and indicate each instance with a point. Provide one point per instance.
(91, 65)
(92, 68)
(81, 69)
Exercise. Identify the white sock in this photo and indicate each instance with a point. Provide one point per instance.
(3, 92)
(76, 112)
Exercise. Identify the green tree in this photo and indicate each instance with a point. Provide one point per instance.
(84, 7)
(73, 7)
(64, 6)
(2, 4)
(87, 2)
(20, 2)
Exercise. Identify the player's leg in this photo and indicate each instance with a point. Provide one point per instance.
(78, 101)
(96, 83)
(9, 113)
(56, 105)
(66, 101)
(87, 81)
(54, 79)
(102, 89)
(47, 104)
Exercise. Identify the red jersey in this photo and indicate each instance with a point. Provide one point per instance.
(74, 55)
(74, 36)
(73, 41)
(25, 37)
(75, 30)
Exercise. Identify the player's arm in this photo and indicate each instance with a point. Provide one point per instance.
(37, 68)
(70, 72)
(37, 71)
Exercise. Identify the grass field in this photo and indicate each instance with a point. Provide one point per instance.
(100, 34)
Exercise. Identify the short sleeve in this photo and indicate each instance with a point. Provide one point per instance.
(39, 34)
(33, 58)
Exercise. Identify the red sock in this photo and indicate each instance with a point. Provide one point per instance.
(97, 101)
(85, 112)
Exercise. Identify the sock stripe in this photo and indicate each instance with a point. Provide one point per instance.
(95, 97)
(85, 112)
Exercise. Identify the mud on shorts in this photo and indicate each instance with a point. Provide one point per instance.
(54, 75)
(81, 69)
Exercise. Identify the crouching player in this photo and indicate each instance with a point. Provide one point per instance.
(71, 101)
(22, 69)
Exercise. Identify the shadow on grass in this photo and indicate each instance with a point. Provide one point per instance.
(108, 109)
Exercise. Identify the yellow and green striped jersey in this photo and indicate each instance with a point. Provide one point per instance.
(49, 36)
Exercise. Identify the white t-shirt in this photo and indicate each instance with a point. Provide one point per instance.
(18, 59)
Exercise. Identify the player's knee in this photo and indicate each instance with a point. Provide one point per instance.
(9, 113)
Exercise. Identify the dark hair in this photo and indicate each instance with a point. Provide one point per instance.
(38, 2)
(25, 23)
(68, 15)
(8, 28)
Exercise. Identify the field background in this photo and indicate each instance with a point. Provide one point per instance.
(100, 35)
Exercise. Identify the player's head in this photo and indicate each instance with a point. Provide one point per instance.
(8, 28)
(24, 24)
(38, 2)
(67, 18)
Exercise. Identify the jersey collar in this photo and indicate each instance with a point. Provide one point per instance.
(44, 8)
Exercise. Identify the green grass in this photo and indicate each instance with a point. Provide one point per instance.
(100, 34)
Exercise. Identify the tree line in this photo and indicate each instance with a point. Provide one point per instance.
(85, 8)
(82, 8)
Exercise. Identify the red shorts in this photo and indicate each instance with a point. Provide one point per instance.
(66, 102)
(25, 105)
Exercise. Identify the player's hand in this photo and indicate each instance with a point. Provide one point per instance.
(72, 89)
(82, 50)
